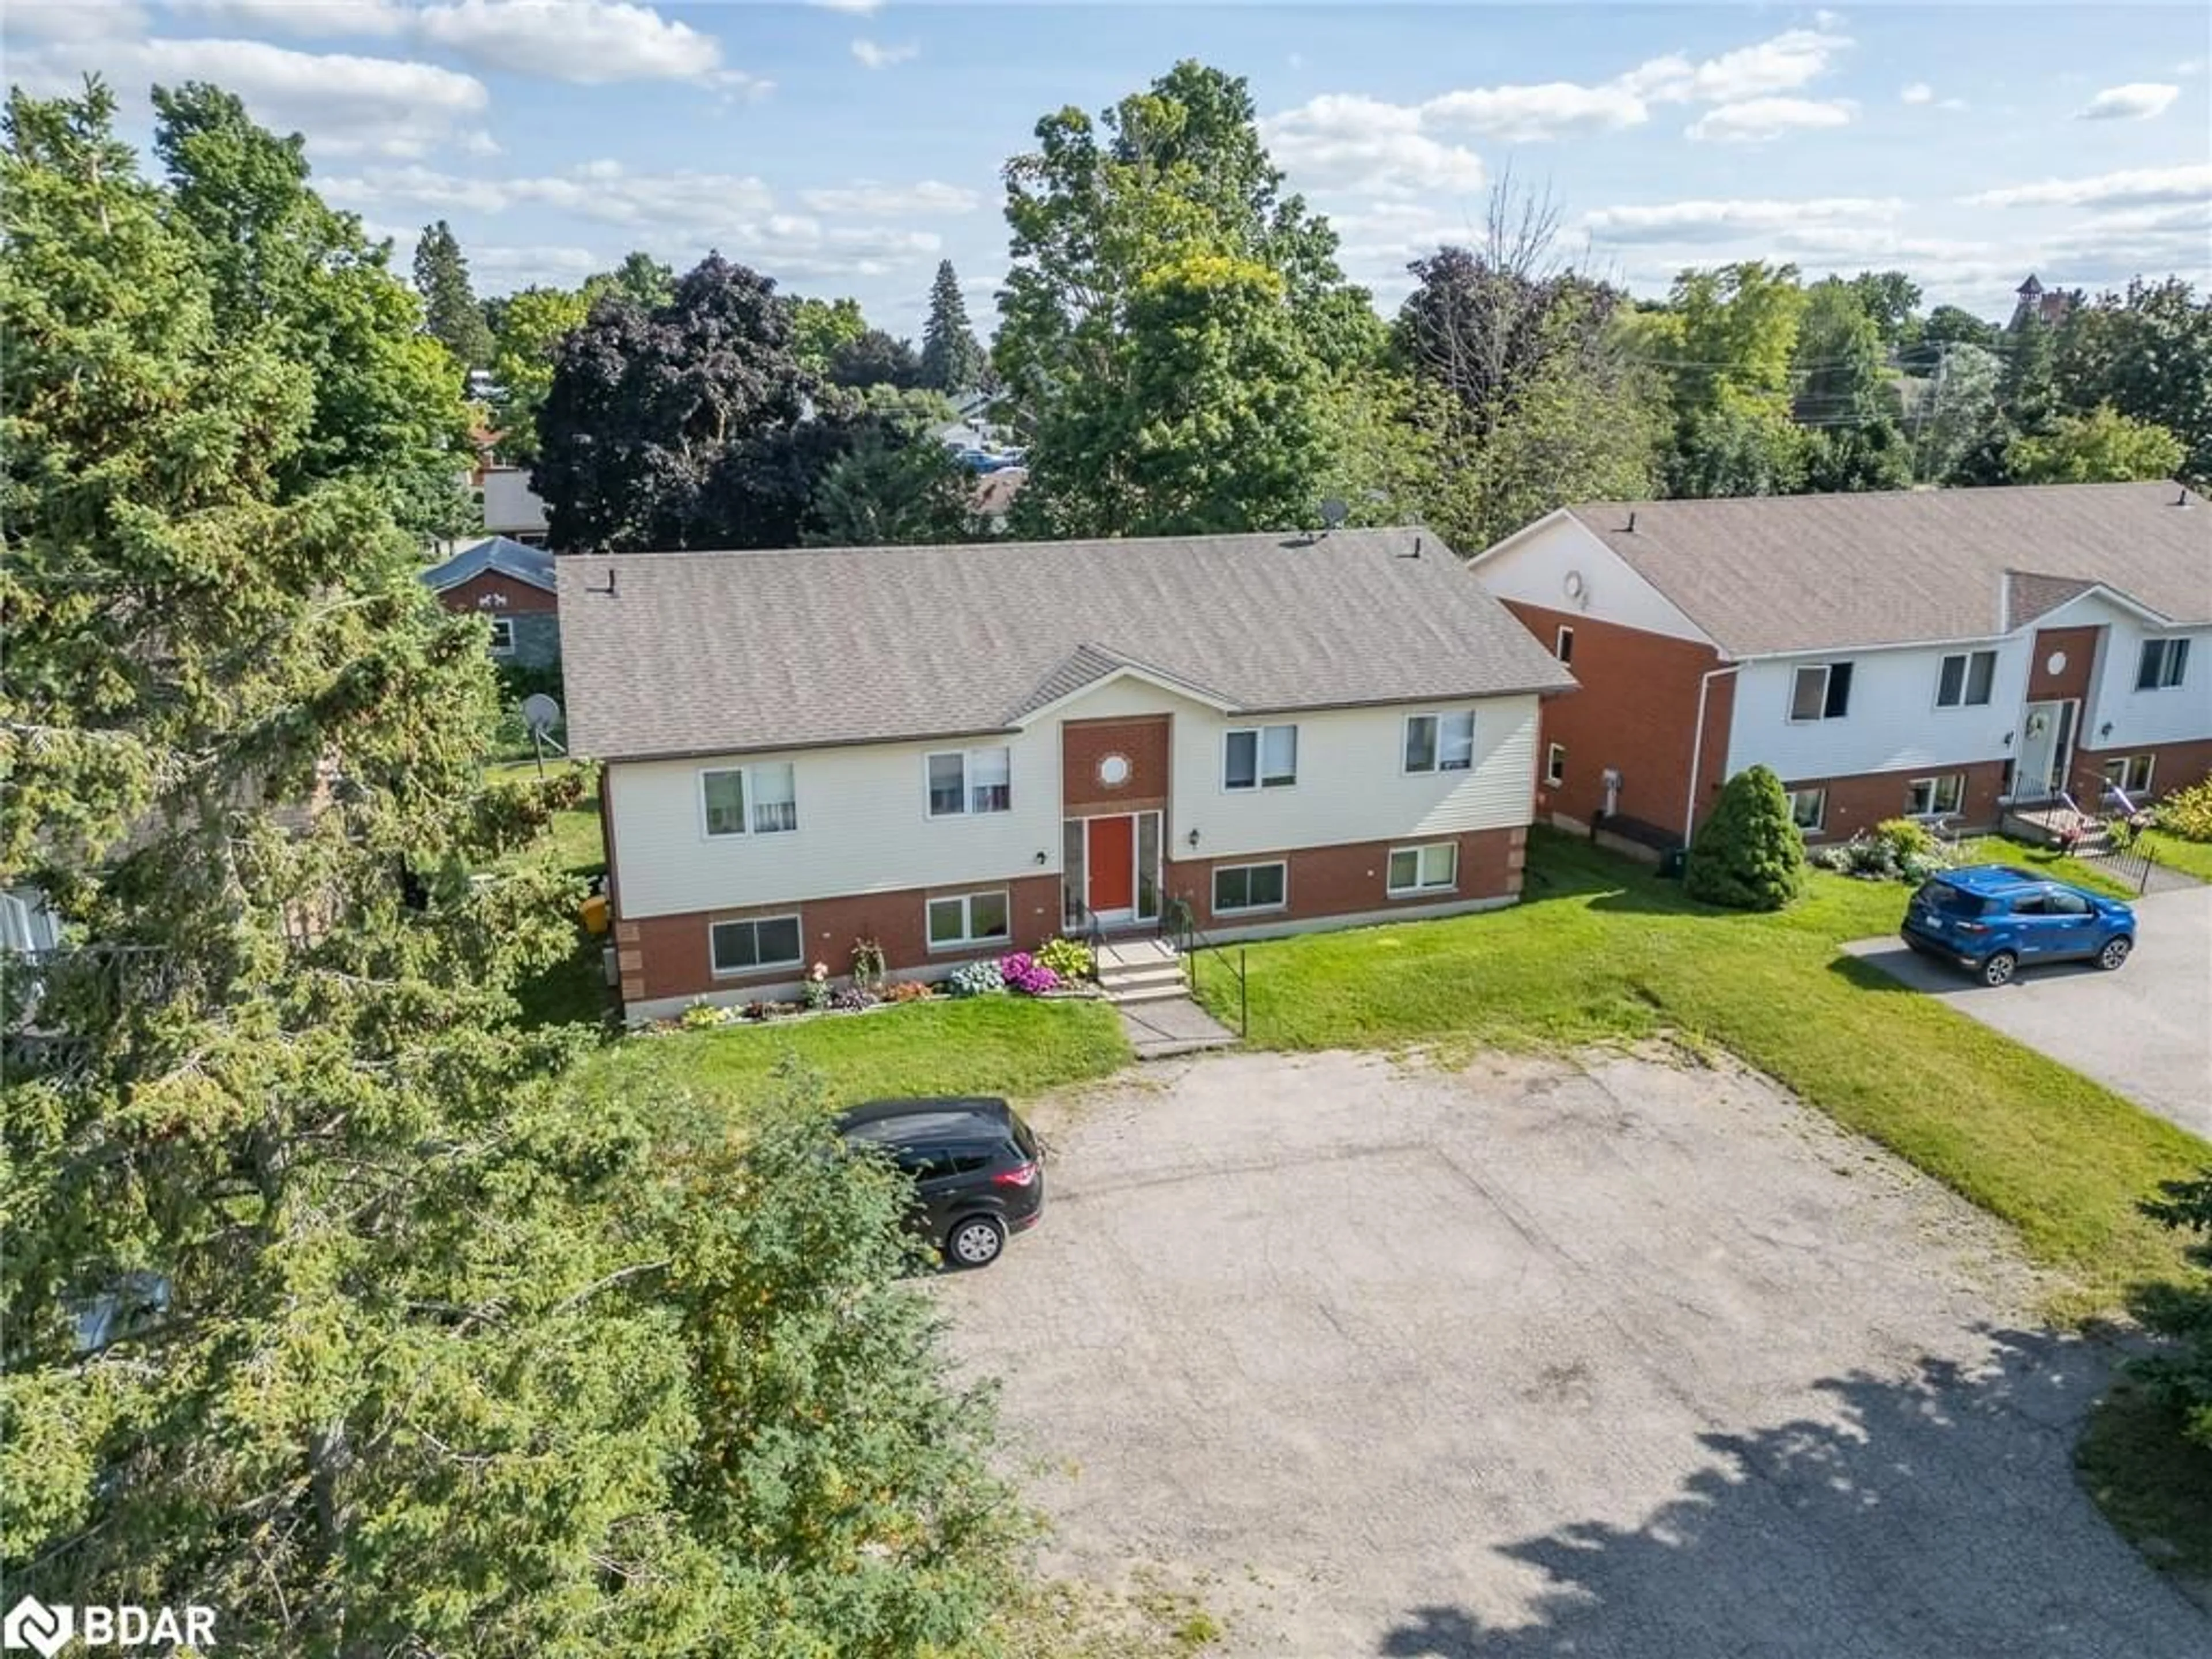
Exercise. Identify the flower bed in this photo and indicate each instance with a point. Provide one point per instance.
(1057, 970)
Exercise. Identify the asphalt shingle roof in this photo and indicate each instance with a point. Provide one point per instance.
(533, 565)
(1806, 573)
(711, 652)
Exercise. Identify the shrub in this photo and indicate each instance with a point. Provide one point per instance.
(2187, 813)
(1025, 973)
(1904, 836)
(852, 999)
(2181, 1376)
(1070, 958)
(907, 990)
(1749, 855)
(868, 964)
(699, 1014)
(814, 989)
(977, 979)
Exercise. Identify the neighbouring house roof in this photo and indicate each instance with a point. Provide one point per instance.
(710, 652)
(1772, 573)
(533, 565)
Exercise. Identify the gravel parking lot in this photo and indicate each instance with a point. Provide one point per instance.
(1626, 1359)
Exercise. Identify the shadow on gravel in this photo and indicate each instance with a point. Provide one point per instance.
(1873, 1534)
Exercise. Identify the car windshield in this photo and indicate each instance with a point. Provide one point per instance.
(1952, 901)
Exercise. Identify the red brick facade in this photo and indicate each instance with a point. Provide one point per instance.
(2174, 766)
(2078, 646)
(1352, 879)
(497, 595)
(1637, 713)
(1143, 742)
(668, 955)
(1865, 799)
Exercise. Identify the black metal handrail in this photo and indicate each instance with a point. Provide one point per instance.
(1179, 926)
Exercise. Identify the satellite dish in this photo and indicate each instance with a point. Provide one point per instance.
(540, 714)
(1332, 512)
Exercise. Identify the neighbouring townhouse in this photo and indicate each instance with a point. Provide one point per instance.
(1935, 653)
(962, 750)
(511, 584)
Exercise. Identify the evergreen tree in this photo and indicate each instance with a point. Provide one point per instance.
(1748, 855)
(331, 1299)
(450, 311)
(952, 358)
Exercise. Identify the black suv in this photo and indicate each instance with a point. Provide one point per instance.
(978, 1174)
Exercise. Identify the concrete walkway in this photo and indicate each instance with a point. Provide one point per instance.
(2145, 1032)
(1162, 1027)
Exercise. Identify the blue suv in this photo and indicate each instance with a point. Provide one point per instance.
(1995, 919)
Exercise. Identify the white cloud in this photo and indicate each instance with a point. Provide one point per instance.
(498, 268)
(1757, 120)
(880, 57)
(1709, 221)
(2136, 187)
(604, 191)
(1918, 92)
(1341, 141)
(76, 20)
(858, 7)
(1528, 113)
(2139, 100)
(872, 200)
(2189, 66)
(321, 18)
(1789, 60)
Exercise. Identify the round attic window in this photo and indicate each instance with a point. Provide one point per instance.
(2055, 663)
(1113, 770)
(1573, 584)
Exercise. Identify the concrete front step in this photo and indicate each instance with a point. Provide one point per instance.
(1156, 973)
(1165, 991)
(1164, 1028)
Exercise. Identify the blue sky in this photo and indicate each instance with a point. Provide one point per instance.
(844, 147)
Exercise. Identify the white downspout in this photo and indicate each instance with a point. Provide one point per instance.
(1698, 748)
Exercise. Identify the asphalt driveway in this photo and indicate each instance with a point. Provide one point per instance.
(1628, 1361)
(2145, 1032)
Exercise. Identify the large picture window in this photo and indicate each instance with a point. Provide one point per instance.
(1249, 887)
(968, 782)
(963, 919)
(1260, 757)
(749, 946)
(1440, 743)
(1430, 869)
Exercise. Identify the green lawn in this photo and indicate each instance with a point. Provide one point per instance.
(1000, 1045)
(1600, 949)
(2191, 857)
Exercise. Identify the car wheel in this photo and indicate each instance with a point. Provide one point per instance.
(1997, 970)
(2114, 953)
(976, 1241)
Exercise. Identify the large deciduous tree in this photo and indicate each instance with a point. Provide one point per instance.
(2103, 446)
(450, 312)
(1167, 175)
(331, 1300)
(1727, 340)
(533, 322)
(654, 418)
(952, 358)
(386, 400)
(2149, 354)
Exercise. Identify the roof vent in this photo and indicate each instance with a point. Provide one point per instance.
(1333, 512)
(1415, 554)
(610, 588)
(2182, 500)
(1631, 523)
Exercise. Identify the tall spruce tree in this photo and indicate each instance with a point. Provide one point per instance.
(952, 358)
(330, 1301)
(450, 311)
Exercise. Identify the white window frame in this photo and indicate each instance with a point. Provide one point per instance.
(1437, 717)
(2125, 764)
(1819, 822)
(2172, 663)
(1935, 809)
(1555, 764)
(1826, 672)
(970, 940)
(968, 808)
(1965, 659)
(1260, 782)
(1563, 643)
(750, 825)
(502, 636)
(1421, 851)
(755, 923)
(1213, 888)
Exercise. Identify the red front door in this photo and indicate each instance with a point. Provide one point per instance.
(1113, 865)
